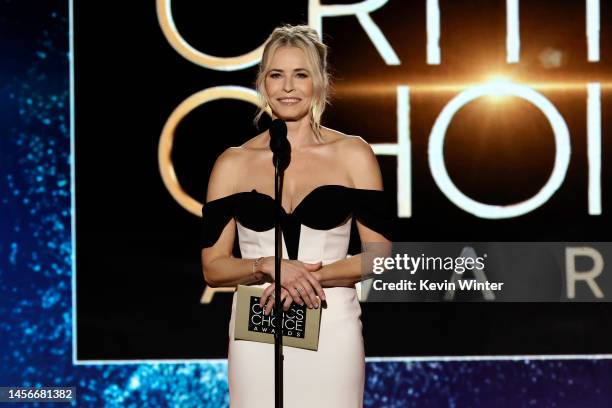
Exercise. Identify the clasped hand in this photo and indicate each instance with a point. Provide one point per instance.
(298, 284)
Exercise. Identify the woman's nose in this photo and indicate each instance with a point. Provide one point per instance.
(288, 85)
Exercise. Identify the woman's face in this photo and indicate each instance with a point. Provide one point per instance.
(288, 84)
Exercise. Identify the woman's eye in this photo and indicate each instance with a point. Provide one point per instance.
(302, 75)
(275, 75)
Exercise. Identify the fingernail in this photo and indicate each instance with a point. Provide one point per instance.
(316, 305)
(309, 306)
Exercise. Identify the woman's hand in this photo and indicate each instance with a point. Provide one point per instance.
(297, 279)
(267, 299)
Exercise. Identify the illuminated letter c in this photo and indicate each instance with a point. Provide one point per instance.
(166, 22)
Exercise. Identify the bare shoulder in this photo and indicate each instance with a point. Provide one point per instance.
(346, 144)
(237, 155)
(228, 166)
(228, 159)
(226, 171)
(256, 143)
(359, 159)
(223, 176)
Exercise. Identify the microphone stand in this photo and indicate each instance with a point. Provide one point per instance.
(278, 311)
(281, 156)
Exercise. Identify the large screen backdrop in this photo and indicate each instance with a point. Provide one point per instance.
(488, 120)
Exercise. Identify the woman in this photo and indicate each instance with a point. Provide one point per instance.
(331, 179)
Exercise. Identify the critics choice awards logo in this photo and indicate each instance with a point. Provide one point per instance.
(294, 320)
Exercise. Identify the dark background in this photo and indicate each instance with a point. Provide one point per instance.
(139, 278)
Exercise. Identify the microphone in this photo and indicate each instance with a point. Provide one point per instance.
(281, 149)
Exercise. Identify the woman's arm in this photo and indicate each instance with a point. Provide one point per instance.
(220, 268)
(345, 272)
(365, 174)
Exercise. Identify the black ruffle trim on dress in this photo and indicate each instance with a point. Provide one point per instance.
(324, 208)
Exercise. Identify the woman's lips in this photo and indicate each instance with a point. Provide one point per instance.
(289, 101)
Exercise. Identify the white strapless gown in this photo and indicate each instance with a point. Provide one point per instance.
(318, 229)
(332, 376)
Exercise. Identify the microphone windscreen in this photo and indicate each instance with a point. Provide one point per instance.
(279, 144)
(278, 134)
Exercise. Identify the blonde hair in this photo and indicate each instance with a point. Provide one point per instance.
(306, 39)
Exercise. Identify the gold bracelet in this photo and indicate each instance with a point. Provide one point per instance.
(256, 264)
